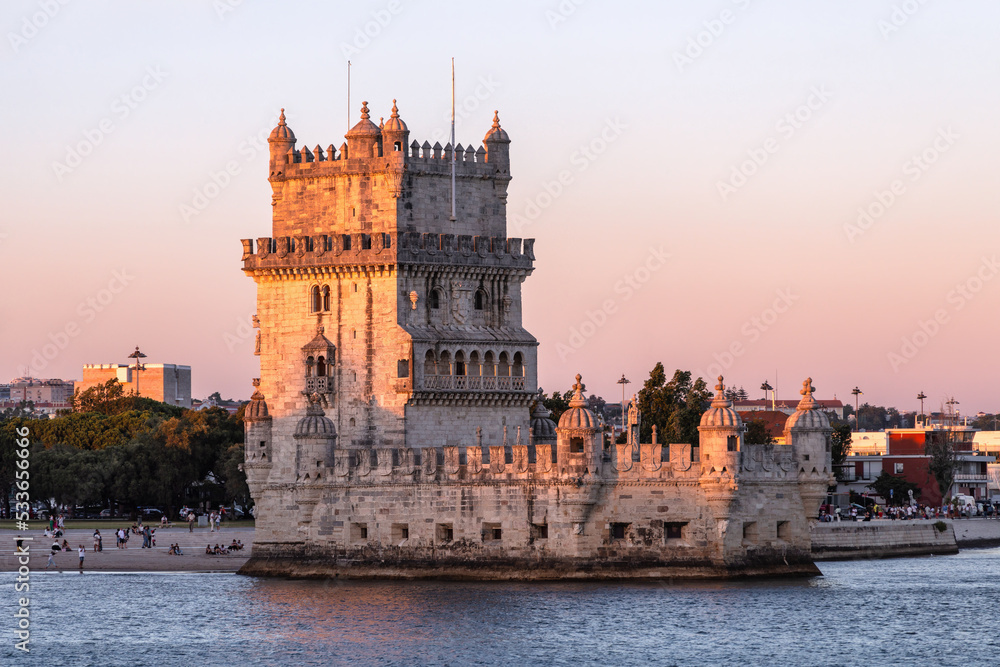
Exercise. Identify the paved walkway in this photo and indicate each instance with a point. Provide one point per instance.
(135, 558)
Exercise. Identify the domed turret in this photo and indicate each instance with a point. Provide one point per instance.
(497, 145)
(395, 134)
(543, 429)
(257, 409)
(807, 414)
(578, 416)
(282, 140)
(721, 414)
(364, 139)
(315, 423)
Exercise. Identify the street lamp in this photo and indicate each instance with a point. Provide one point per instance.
(920, 397)
(624, 381)
(857, 410)
(766, 387)
(952, 416)
(137, 355)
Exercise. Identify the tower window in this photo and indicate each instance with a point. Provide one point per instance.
(403, 368)
(618, 530)
(397, 146)
(435, 299)
(674, 530)
(326, 298)
(576, 445)
(732, 443)
(314, 299)
(321, 367)
(480, 299)
(492, 532)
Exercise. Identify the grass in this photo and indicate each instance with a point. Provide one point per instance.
(113, 524)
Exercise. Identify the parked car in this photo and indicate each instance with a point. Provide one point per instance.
(149, 512)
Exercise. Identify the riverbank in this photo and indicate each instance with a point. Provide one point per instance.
(134, 558)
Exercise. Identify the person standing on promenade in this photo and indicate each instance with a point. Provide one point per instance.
(191, 521)
(97, 539)
(52, 555)
(82, 551)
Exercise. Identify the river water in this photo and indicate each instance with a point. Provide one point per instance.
(913, 611)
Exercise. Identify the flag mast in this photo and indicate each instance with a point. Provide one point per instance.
(453, 139)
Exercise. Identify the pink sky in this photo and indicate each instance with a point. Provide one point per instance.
(708, 216)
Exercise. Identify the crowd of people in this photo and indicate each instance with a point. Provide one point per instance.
(897, 513)
(217, 550)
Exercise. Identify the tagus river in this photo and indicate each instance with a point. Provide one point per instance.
(918, 611)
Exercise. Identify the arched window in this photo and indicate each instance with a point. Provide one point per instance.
(459, 363)
(435, 299)
(480, 299)
(503, 366)
(444, 363)
(397, 146)
(518, 369)
(489, 366)
(430, 368)
(309, 366)
(321, 367)
(326, 298)
(314, 299)
(475, 367)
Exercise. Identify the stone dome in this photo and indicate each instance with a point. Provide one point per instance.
(365, 127)
(315, 423)
(578, 416)
(257, 409)
(807, 414)
(282, 132)
(542, 427)
(496, 132)
(721, 414)
(395, 123)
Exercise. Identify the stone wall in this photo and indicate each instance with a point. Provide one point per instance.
(881, 539)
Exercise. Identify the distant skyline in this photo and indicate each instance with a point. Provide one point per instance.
(761, 190)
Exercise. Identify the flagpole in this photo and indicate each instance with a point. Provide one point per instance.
(348, 95)
(453, 140)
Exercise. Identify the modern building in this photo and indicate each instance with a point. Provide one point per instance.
(167, 383)
(788, 406)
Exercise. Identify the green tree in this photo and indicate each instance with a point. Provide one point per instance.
(674, 407)
(840, 447)
(895, 490)
(940, 447)
(757, 433)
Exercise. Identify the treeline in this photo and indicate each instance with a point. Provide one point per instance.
(119, 451)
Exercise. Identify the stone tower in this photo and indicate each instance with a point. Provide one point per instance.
(378, 311)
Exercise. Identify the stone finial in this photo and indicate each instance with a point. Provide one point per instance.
(381, 122)
(578, 401)
(364, 111)
(721, 386)
(413, 300)
(807, 402)
(256, 382)
(395, 111)
(281, 118)
(807, 388)
(496, 119)
(320, 330)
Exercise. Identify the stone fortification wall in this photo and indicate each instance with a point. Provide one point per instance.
(881, 539)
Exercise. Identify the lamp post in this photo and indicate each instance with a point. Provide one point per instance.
(920, 397)
(766, 386)
(624, 381)
(137, 355)
(857, 414)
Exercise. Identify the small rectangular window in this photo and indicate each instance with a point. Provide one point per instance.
(359, 532)
(674, 530)
(539, 531)
(618, 530)
(898, 468)
(576, 445)
(750, 531)
(400, 532)
(403, 368)
(732, 443)
(784, 530)
(444, 533)
(492, 532)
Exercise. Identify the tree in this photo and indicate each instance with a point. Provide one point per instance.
(940, 447)
(840, 447)
(674, 407)
(895, 490)
(757, 433)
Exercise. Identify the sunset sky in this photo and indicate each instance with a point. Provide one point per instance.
(774, 189)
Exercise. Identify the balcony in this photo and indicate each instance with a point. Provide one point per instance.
(320, 385)
(474, 382)
(970, 477)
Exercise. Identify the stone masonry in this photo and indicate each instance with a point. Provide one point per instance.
(389, 434)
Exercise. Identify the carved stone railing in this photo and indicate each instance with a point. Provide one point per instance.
(474, 382)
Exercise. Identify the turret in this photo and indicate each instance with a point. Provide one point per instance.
(720, 434)
(315, 441)
(497, 145)
(281, 141)
(543, 429)
(579, 439)
(257, 449)
(395, 134)
(364, 140)
(808, 431)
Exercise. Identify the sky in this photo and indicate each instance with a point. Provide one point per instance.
(758, 189)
